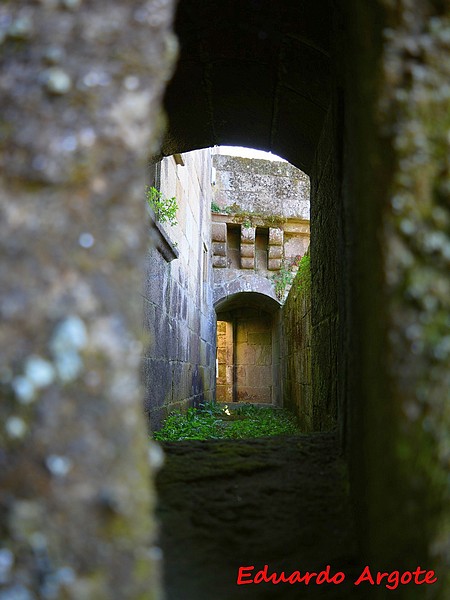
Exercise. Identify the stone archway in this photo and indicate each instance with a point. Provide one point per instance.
(78, 124)
(248, 349)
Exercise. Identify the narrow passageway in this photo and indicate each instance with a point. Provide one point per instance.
(280, 502)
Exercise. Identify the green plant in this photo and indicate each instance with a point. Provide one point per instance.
(244, 218)
(286, 275)
(165, 209)
(283, 278)
(213, 421)
(215, 208)
(303, 278)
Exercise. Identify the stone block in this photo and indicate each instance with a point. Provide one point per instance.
(259, 376)
(275, 252)
(229, 354)
(247, 263)
(275, 236)
(247, 250)
(241, 335)
(274, 264)
(254, 394)
(260, 339)
(263, 355)
(219, 232)
(248, 235)
(221, 340)
(246, 354)
(222, 355)
(219, 249)
(183, 339)
(242, 374)
(221, 393)
(220, 262)
(261, 325)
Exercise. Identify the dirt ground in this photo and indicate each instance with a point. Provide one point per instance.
(276, 501)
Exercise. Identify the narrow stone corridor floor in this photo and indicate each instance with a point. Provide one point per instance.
(276, 501)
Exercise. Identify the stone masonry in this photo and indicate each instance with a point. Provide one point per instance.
(355, 94)
(179, 360)
(267, 203)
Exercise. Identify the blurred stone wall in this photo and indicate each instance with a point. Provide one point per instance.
(179, 360)
(80, 87)
(395, 193)
(327, 268)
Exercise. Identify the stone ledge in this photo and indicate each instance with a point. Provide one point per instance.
(161, 240)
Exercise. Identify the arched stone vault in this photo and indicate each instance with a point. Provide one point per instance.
(74, 136)
(250, 73)
(245, 286)
(266, 302)
(259, 73)
(336, 89)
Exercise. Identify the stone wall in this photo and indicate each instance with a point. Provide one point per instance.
(225, 355)
(246, 346)
(397, 243)
(179, 361)
(296, 355)
(326, 278)
(254, 379)
(78, 123)
(260, 222)
(269, 188)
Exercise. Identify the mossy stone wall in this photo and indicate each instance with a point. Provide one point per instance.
(395, 198)
(81, 92)
(296, 356)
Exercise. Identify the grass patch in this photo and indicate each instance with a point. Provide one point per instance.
(215, 422)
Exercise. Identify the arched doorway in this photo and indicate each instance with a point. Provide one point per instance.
(248, 332)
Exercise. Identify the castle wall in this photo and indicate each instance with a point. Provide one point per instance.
(179, 362)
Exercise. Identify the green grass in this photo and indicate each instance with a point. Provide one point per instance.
(210, 421)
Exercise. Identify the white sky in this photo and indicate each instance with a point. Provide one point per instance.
(248, 153)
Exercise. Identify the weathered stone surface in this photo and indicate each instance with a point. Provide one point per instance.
(275, 236)
(398, 307)
(78, 123)
(247, 251)
(179, 359)
(248, 235)
(219, 249)
(220, 262)
(268, 189)
(219, 232)
(284, 502)
(326, 286)
(275, 252)
(274, 264)
(247, 263)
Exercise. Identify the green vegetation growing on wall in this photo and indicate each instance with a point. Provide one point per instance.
(247, 218)
(215, 208)
(255, 219)
(165, 209)
(212, 421)
(283, 278)
(298, 268)
(303, 278)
